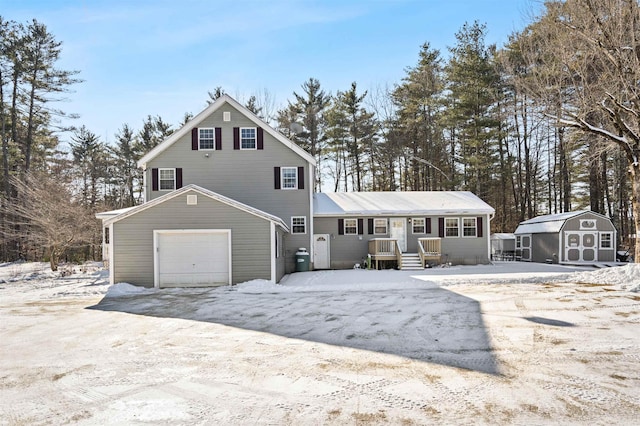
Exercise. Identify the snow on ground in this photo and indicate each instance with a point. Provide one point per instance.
(509, 343)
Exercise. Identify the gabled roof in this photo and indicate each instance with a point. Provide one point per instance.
(398, 203)
(205, 192)
(195, 121)
(549, 223)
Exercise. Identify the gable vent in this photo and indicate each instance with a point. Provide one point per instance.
(192, 200)
(226, 116)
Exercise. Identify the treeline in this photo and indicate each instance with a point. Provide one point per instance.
(545, 124)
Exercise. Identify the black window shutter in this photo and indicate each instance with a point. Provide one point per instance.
(340, 226)
(154, 179)
(300, 177)
(360, 226)
(260, 135)
(370, 223)
(236, 138)
(428, 222)
(276, 177)
(218, 138)
(479, 226)
(441, 227)
(194, 139)
(178, 178)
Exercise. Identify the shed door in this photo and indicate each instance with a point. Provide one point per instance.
(523, 247)
(580, 246)
(192, 258)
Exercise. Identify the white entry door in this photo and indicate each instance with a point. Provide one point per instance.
(321, 251)
(192, 258)
(399, 232)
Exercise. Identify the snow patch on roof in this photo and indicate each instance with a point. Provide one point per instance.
(399, 203)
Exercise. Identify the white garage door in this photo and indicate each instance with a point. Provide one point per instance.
(192, 258)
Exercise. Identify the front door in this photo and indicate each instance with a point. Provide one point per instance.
(399, 232)
(321, 253)
(580, 246)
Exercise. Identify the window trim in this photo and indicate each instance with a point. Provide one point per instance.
(610, 235)
(213, 139)
(355, 227)
(255, 138)
(282, 179)
(457, 227)
(474, 227)
(304, 224)
(424, 225)
(160, 170)
(375, 226)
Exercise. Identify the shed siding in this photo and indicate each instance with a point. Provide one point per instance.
(133, 238)
(243, 175)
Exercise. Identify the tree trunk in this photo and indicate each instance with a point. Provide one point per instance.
(634, 170)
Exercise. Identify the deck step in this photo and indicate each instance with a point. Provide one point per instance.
(411, 262)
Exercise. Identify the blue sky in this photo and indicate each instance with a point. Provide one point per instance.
(140, 58)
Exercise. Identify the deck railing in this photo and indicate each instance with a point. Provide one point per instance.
(385, 249)
(430, 249)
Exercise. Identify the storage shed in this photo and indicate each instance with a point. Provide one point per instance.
(503, 246)
(572, 237)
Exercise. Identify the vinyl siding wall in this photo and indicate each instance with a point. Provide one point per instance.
(347, 250)
(243, 175)
(133, 238)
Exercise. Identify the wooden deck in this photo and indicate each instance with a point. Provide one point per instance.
(387, 249)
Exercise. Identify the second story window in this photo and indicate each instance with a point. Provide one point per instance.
(206, 138)
(247, 138)
(289, 177)
(167, 179)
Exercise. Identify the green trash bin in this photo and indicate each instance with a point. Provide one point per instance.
(302, 260)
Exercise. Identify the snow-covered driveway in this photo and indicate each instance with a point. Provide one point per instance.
(504, 344)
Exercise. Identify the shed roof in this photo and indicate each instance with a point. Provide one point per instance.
(502, 236)
(399, 203)
(550, 223)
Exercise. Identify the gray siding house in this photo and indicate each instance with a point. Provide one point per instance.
(572, 237)
(229, 199)
(398, 227)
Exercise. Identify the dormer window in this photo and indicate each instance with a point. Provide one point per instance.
(247, 138)
(206, 139)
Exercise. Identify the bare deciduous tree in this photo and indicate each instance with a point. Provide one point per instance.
(47, 218)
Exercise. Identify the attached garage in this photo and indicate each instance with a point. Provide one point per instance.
(193, 237)
(192, 258)
(571, 237)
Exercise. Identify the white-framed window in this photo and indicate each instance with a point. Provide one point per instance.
(469, 227)
(606, 240)
(451, 227)
(166, 179)
(418, 225)
(298, 224)
(351, 227)
(380, 226)
(206, 138)
(289, 177)
(247, 138)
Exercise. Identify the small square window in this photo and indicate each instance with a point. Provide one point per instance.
(606, 240)
(469, 227)
(167, 179)
(206, 139)
(380, 226)
(350, 226)
(289, 177)
(299, 225)
(451, 227)
(247, 138)
(418, 225)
